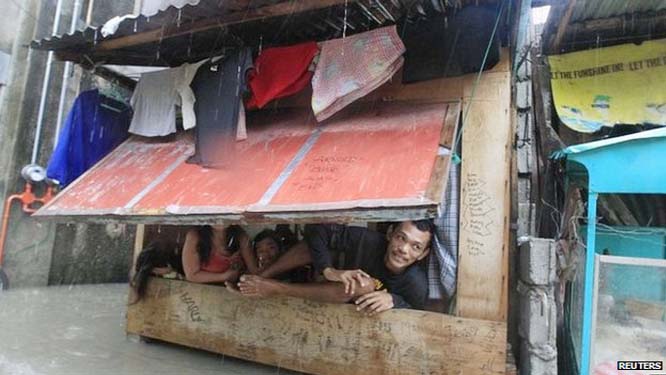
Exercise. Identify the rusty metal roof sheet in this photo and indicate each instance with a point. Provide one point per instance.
(187, 33)
(368, 163)
(596, 9)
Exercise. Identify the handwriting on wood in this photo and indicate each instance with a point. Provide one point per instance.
(478, 214)
(324, 170)
(485, 200)
(316, 337)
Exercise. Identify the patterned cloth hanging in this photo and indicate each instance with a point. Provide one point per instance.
(352, 67)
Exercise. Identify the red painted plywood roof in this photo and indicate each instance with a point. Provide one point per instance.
(291, 168)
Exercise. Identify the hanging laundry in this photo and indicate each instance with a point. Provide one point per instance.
(219, 87)
(352, 67)
(156, 96)
(241, 130)
(280, 72)
(111, 26)
(449, 46)
(186, 95)
(95, 126)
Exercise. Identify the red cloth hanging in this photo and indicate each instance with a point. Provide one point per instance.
(280, 72)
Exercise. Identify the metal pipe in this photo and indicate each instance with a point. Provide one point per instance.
(5, 223)
(588, 292)
(45, 87)
(91, 5)
(65, 75)
(27, 199)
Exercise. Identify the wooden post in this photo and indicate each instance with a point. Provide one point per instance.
(561, 28)
(138, 245)
(485, 197)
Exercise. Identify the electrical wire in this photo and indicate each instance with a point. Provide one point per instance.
(455, 158)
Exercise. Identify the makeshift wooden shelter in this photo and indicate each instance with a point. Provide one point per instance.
(385, 158)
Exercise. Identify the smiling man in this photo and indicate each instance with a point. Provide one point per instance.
(378, 272)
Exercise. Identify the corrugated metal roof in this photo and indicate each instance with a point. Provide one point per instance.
(602, 23)
(189, 33)
(596, 9)
(584, 147)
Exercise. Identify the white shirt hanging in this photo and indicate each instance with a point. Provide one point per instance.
(155, 97)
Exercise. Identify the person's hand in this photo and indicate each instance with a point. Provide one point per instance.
(348, 278)
(374, 302)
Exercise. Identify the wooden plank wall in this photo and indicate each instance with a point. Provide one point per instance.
(485, 197)
(315, 337)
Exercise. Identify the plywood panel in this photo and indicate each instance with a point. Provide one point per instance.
(440, 90)
(485, 200)
(317, 338)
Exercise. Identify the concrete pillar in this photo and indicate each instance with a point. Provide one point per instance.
(538, 312)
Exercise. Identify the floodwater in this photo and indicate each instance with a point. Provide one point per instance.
(80, 330)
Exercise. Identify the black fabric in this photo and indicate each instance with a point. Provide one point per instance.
(218, 87)
(365, 249)
(154, 255)
(440, 47)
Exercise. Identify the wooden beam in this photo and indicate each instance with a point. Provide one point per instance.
(562, 27)
(485, 198)
(139, 238)
(624, 22)
(171, 31)
(618, 205)
(138, 245)
(315, 337)
(258, 218)
(606, 211)
(440, 172)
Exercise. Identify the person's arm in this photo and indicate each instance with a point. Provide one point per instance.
(257, 286)
(192, 264)
(318, 237)
(248, 255)
(412, 293)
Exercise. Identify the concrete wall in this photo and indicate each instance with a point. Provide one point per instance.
(9, 20)
(89, 253)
